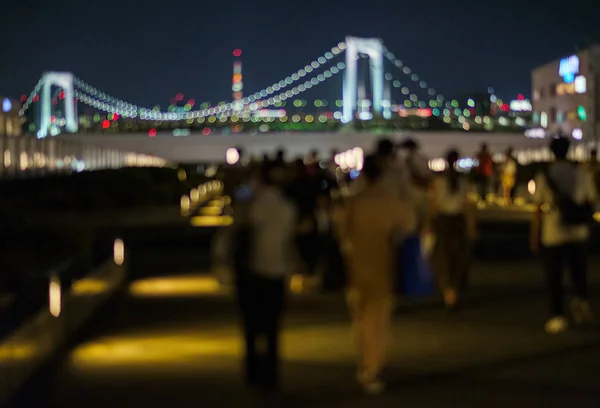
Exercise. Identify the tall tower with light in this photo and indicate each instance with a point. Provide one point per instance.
(237, 84)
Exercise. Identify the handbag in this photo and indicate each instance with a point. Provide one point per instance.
(416, 278)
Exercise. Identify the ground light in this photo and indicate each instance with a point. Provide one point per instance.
(119, 251)
(54, 297)
(89, 287)
(184, 204)
(531, 187)
(176, 286)
(195, 195)
(211, 221)
(135, 350)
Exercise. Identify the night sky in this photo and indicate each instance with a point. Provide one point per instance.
(147, 51)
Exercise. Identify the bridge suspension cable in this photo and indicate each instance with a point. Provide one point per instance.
(226, 110)
(288, 87)
(101, 100)
(414, 77)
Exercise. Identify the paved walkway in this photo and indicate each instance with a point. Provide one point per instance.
(184, 351)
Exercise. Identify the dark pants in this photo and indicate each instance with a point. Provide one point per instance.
(483, 183)
(451, 257)
(261, 302)
(309, 250)
(574, 257)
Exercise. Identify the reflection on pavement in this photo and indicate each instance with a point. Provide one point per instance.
(176, 286)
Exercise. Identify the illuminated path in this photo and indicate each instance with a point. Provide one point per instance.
(198, 148)
(173, 342)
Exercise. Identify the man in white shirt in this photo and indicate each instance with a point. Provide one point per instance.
(268, 222)
(563, 242)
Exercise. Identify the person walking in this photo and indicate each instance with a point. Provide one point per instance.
(484, 171)
(420, 176)
(508, 178)
(262, 249)
(452, 224)
(372, 218)
(565, 195)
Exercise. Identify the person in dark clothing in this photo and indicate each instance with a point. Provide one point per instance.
(484, 171)
(260, 246)
(303, 191)
(564, 243)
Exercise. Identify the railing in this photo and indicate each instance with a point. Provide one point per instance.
(69, 299)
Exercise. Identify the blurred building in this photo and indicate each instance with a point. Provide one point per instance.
(565, 95)
(10, 121)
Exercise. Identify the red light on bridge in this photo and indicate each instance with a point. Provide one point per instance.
(105, 124)
(116, 116)
(36, 98)
(61, 95)
(206, 131)
(23, 98)
(52, 119)
(505, 108)
(179, 97)
(152, 132)
(237, 52)
(424, 113)
(521, 97)
(191, 102)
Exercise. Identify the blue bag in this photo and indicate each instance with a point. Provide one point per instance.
(415, 273)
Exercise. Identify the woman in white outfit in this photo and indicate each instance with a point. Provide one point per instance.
(452, 224)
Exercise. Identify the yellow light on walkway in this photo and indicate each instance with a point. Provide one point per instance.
(297, 284)
(181, 175)
(176, 286)
(531, 187)
(54, 297)
(16, 351)
(185, 204)
(211, 210)
(216, 203)
(211, 221)
(89, 286)
(119, 251)
(135, 350)
(195, 195)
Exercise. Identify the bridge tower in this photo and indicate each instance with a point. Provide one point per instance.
(236, 83)
(63, 80)
(374, 49)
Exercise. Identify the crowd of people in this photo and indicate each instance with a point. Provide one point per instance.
(287, 221)
(492, 178)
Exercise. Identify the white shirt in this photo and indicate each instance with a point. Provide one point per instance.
(273, 219)
(446, 201)
(572, 180)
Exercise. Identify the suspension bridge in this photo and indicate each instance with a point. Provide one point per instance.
(397, 101)
(48, 117)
